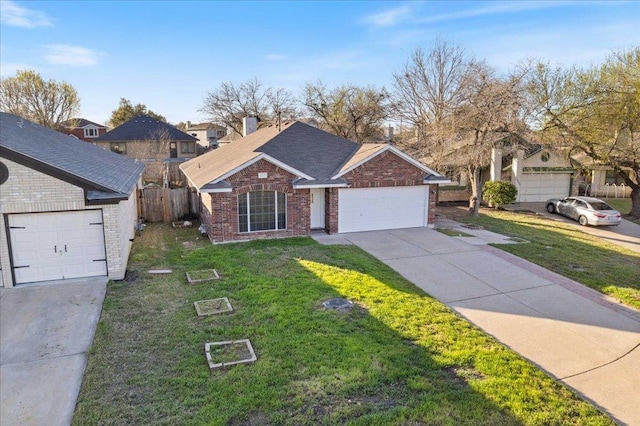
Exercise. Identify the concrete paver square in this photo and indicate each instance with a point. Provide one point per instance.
(383, 245)
(40, 392)
(431, 241)
(591, 320)
(614, 387)
(553, 346)
(496, 272)
(439, 279)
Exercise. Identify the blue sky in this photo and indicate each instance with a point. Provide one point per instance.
(168, 54)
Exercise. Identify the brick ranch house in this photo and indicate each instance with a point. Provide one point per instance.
(69, 208)
(291, 179)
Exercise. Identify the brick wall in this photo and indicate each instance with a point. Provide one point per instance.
(221, 214)
(387, 169)
(29, 191)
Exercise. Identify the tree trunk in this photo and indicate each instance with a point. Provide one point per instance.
(476, 190)
(635, 202)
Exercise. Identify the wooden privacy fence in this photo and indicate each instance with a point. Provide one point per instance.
(168, 205)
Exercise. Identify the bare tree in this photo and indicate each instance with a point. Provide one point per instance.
(349, 111)
(230, 102)
(492, 115)
(429, 89)
(48, 103)
(595, 112)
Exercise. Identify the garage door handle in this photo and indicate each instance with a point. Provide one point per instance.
(65, 248)
(55, 249)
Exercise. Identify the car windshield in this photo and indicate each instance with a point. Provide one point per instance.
(599, 205)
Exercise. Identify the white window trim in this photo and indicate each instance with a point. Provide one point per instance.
(94, 130)
(275, 195)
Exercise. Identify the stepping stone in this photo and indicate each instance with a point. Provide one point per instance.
(228, 353)
(195, 277)
(212, 306)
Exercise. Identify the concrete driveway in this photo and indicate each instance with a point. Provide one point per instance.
(576, 334)
(45, 333)
(626, 234)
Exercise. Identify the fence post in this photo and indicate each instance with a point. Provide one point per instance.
(166, 205)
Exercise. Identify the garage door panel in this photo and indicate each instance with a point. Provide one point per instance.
(541, 187)
(57, 245)
(368, 209)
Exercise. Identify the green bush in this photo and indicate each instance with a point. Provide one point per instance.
(499, 193)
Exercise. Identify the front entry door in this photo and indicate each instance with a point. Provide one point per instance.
(317, 208)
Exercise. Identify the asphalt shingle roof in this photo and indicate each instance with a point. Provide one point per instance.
(305, 149)
(142, 128)
(100, 169)
(81, 122)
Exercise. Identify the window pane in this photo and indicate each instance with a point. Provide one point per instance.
(282, 210)
(243, 225)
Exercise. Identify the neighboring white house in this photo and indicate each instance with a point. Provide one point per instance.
(207, 134)
(70, 208)
(538, 173)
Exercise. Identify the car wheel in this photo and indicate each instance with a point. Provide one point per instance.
(551, 208)
(583, 220)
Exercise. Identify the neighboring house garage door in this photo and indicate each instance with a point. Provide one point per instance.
(54, 246)
(370, 209)
(542, 186)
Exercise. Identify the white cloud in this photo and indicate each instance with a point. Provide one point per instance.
(276, 57)
(10, 69)
(18, 16)
(75, 56)
(389, 17)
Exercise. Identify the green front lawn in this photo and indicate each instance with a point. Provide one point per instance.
(398, 357)
(570, 252)
(623, 205)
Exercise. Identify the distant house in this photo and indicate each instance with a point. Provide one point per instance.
(599, 181)
(83, 129)
(537, 172)
(207, 134)
(69, 208)
(288, 179)
(154, 142)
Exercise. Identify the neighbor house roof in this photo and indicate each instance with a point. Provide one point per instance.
(315, 157)
(81, 122)
(205, 126)
(142, 128)
(102, 173)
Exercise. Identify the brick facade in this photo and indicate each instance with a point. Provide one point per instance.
(387, 169)
(220, 210)
(220, 215)
(29, 191)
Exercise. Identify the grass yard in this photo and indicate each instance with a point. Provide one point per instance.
(568, 251)
(623, 205)
(398, 357)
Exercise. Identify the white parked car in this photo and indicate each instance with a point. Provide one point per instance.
(586, 210)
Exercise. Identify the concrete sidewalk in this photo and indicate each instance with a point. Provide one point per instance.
(45, 333)
(581, 337)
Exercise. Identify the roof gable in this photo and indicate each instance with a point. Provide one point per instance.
(72, 160)
(144, 127)
(316, 157)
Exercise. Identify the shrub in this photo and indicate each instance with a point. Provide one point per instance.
(499, 193)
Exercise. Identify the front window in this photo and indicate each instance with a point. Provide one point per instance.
(90, 132)
(119, 147)
(262, 211)
(187, 147)
(613, 178)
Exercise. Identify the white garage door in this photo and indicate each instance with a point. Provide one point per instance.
(370, 209)
(54, 246)
(542, 186)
